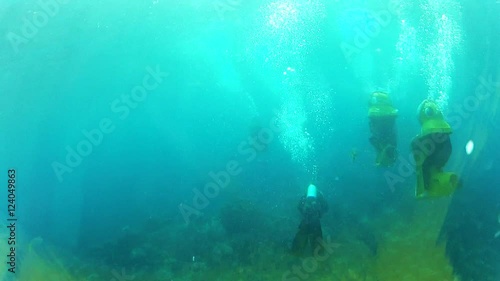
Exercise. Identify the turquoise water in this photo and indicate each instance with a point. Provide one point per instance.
(173, 140)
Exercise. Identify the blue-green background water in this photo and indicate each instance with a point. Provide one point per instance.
(228, 70)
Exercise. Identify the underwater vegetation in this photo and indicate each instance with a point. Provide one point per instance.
(236, 243)
(410, 249)
(42, 262)
(241, 216)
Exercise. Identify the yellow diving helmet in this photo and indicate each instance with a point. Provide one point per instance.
(431, 118)
(381, 106)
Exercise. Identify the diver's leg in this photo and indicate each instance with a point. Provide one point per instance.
(316, 238)
(300, 241)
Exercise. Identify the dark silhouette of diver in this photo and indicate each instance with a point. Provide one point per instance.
(312, 207)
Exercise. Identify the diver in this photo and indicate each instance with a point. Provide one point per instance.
(383, 137)
(312, 207)
(431, 150)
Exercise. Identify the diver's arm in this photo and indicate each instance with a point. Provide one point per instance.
(302, 204)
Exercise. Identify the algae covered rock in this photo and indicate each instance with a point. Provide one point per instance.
(241, 216)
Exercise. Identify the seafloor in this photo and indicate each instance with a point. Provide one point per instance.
(230, 248)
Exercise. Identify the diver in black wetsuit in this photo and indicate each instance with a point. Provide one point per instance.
(312, 207)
